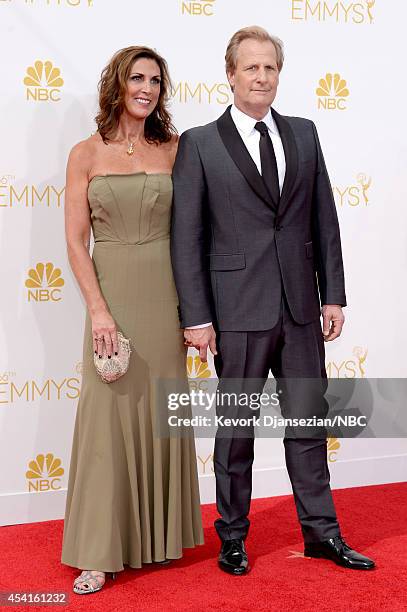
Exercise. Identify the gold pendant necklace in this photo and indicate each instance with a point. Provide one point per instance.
(130, 150)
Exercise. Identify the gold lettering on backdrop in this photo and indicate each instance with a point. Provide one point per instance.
(40, 94)
(193, 94)
(353, 195)
(201, 93)
(44, 485)
(330, 10)
(309, 9)
(59, 3)
(349, 368)
(14, 194)
(207, 463)
(35, 388)
(16, 391)
(32, 391)
(346, 11)
(345, 369)
(197, 7)
(44, 295)
(59, 387)
(31, 196)
(209, 91)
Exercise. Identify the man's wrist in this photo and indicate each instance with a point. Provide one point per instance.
(202, 325)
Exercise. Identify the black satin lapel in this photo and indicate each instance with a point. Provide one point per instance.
(241, 156)
(291, 157)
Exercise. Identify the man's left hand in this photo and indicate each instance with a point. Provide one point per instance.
(333, 320)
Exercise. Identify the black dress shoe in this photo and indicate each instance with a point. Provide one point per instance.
(338, 551)
(233, 557)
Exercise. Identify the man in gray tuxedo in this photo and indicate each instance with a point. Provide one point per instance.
(256, 251)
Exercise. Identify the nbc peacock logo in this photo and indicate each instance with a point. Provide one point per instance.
(44, 473)
(199, 374)
(333, 446)
(43, 82)
(44, 283)
(197, 368)
(332, 92)
(198, 8)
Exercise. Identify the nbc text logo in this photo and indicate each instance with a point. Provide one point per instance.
(355, 194)
(197, 7)
(43, 82)
(332, 92)
(46, 289)
(202, 93)
(333, 11)
(44, 473)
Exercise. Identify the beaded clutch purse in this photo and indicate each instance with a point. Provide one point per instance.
(111, 369)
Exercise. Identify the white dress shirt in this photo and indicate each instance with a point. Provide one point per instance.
(251, 138)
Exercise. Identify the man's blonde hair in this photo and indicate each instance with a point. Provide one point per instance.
(256, 33)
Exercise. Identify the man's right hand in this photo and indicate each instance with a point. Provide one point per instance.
(200, 339)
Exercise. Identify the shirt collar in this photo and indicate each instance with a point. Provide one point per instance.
(245, 123)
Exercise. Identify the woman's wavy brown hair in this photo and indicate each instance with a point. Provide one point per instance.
(112, 90)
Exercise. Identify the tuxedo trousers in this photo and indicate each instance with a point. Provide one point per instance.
(244, 359)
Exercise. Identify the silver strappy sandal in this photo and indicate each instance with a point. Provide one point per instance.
(84, 581)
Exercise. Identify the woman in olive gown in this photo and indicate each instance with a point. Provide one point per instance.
(133, 496)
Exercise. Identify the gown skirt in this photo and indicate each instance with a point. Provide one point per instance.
(133, 495)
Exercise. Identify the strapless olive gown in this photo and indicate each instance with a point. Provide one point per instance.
(132, 497)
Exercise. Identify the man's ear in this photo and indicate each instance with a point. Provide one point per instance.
(231, 79)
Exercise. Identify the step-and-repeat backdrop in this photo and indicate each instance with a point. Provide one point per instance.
(343, 70)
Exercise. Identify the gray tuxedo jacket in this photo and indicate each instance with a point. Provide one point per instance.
(234, 250)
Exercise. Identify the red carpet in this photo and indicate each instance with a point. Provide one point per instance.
(373, 520)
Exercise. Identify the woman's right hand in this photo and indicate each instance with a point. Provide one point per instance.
(104, 333)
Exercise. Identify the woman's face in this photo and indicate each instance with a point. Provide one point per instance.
(143, 88)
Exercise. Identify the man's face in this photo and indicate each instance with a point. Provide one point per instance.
(255, 78)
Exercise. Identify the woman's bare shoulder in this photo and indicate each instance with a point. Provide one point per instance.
(87, 146)
(84, 151)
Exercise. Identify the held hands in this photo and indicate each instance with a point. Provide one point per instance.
(104, 333)
(200, 339)
(333, 320)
